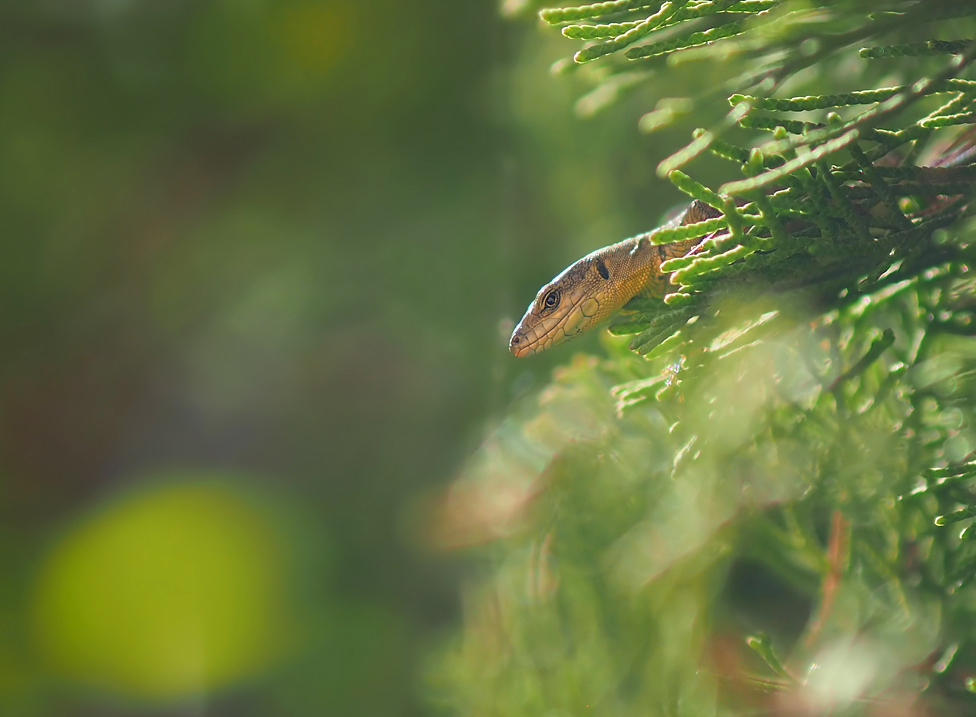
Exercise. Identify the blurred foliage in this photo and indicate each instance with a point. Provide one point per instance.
(238, 341)
(763, 505)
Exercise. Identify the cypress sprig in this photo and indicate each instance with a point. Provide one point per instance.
(724, 242)
(710, 263)
(879, 186)
(621, 33)
(685, 231)
(909, 189)
(911, 133)
(679, 262)
(599, 32)
(817, 102)
(658, 331)
(696, 190)
(956, 516)
(961, 470)
(642, 29)
(654, 348)
(878, 347)
(861, 97)
(932, 47)
(753, 6)
(763, 647)
(735, 153)
(554, 16)
(695, 39)
(632, 393)
(702, 140)
(753, 166)
(836, 127)
(704, 9)
(961, 173)
(734, 219)
(769, 217)
(640, 321)
(743, 186)
(847, 209)
(729, 151)
(649, 340)
(799, 127)
(954, 105)
(771, 123)
(823, 212)
(915, 238)
(916, 132)
(948, 120)
(678, 298)
(788, 208)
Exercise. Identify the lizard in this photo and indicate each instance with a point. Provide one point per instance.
(590, 290)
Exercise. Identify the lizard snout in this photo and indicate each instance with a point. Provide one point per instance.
(519, 344)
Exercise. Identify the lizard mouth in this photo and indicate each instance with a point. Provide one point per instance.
(549, 332)
(520, 345)
(519, 351)
(530, 339)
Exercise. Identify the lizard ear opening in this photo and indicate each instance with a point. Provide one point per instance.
(602, 268)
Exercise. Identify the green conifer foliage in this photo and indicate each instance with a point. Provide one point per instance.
(764, 504)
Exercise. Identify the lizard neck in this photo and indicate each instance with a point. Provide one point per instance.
(635, 266)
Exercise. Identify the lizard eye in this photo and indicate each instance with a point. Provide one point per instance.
(552, 299)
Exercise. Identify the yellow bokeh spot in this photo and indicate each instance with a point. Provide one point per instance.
(314, 35)
(165, 593)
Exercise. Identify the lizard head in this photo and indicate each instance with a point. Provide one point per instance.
(579, 298)
(598, 285)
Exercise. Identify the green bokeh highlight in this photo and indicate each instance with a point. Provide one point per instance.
(165, 593)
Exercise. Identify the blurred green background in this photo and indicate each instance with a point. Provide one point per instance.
(260, 262)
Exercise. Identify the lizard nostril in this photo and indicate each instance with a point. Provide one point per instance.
(515, 339)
